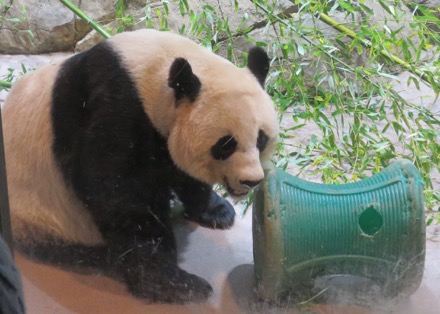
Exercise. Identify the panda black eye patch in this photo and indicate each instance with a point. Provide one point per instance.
(262, 140)
(224, 148)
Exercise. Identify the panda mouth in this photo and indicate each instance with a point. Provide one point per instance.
(232, 191)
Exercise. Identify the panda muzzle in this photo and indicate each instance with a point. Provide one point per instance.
(248, 185)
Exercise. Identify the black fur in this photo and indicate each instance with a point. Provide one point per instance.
(183, 80)
(224, 148)
(262, 140)
(258, 63)
(218, 214)
(120, 168)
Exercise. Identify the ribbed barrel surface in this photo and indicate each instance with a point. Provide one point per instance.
(373, 228)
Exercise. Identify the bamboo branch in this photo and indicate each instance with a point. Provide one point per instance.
(367, 43)
(83, 16)
(281, 20)
(345, 30)
(260, 24)
(347, 66)
(5, 84)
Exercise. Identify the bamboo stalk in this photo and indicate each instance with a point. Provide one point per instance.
(83, 16)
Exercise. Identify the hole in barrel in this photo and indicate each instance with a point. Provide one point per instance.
(370, 221)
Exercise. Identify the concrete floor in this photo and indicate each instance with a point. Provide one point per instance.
(224, 258)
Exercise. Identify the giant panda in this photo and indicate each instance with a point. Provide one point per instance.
(97, 144)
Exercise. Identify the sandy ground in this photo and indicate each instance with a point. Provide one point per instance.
(224, 258)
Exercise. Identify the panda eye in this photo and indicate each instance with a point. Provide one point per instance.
(262, 140)
(224, 148)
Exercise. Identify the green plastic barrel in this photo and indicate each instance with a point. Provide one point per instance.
(309, 237)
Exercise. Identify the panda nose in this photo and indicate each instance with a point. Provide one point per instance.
(249, 184)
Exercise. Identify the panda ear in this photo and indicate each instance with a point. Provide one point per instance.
(184, 82)
(258, 63)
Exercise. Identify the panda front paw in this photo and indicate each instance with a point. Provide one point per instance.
(219, 214)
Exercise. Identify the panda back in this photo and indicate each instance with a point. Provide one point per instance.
(43, 207)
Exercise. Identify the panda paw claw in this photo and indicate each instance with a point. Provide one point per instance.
(219, 214)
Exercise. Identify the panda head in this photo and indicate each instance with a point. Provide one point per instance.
(225, 125)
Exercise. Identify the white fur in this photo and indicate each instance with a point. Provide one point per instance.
(231, 101)
(39, 198)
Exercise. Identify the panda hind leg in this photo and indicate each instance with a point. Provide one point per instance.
(150, 271)
(166, 283)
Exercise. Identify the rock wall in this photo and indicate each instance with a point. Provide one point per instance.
(29, 26)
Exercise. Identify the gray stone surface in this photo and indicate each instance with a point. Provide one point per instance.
(225, 8)
(30, 26)
(434, 6)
